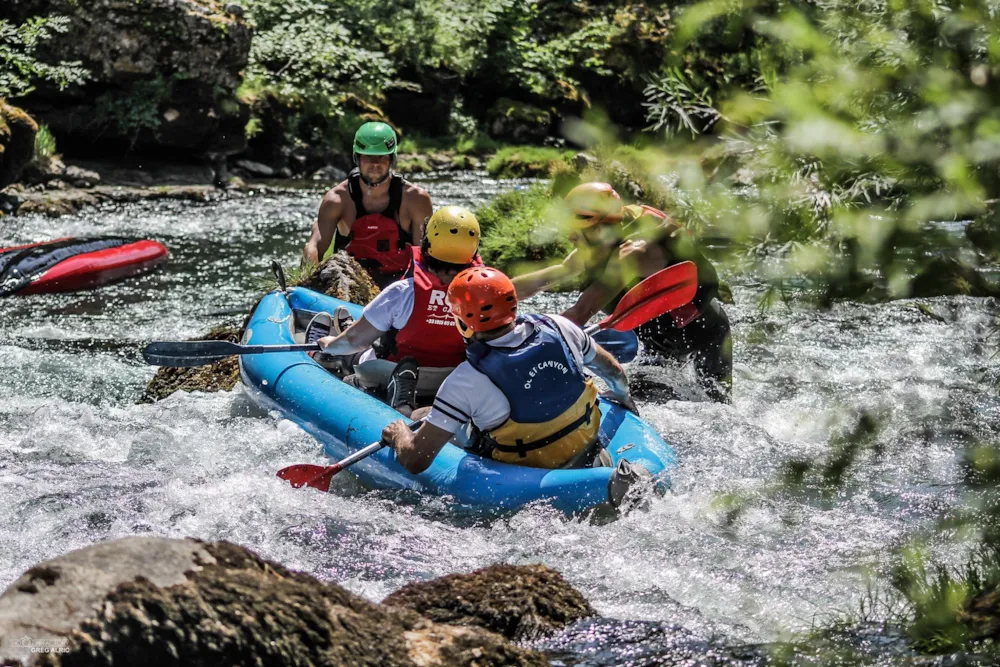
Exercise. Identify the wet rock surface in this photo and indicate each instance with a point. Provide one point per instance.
(219, 376)
(517, 601)
(159, 601)
(17, 142)
(342, 277)
(55, 202)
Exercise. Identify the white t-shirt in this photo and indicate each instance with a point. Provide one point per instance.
(468, 395)
(392, 308)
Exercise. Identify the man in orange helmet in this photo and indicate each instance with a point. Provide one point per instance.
(522, 385)
(618, 246)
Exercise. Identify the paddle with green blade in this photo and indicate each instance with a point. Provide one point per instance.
(662, 292)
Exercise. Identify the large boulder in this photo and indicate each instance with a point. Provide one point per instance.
(17, 142)
(163, 76)
(156, 601)
(520, 602)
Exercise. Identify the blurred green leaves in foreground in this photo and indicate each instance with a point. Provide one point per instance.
(844, 137)
(851, 148)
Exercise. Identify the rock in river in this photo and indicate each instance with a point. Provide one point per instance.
(156, 601)
(520, 602)
(17, 142)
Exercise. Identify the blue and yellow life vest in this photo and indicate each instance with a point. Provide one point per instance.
(554, 414)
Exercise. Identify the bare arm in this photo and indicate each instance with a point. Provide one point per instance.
(420, 211)
(331, 210)
(608, 369)
(590, 301)
(359, 336)
(415, 451)
(538, 281)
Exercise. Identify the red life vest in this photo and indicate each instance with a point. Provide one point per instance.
(377, 240)
(430, 335)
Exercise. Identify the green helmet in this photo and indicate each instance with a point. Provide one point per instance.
(374, 139)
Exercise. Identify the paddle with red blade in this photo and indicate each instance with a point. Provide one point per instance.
(319, 477)
(658, 294)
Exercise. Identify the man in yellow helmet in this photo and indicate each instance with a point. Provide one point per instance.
(616, 247)
(418, 344)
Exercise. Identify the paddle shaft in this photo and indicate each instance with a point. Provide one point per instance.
(261, 349)
(363, 453)
(320, 477)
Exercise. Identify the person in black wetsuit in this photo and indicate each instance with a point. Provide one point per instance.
(616, 248)
(374, 215)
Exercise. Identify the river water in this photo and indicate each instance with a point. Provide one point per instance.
(82, 462)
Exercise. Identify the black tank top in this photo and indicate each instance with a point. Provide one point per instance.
(391, 211)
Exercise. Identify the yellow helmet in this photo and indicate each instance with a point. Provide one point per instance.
(594, 203)
(452, 235)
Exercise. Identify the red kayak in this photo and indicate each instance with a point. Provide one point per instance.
(71, 264)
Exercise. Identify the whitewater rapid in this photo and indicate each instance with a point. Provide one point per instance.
(83, 462)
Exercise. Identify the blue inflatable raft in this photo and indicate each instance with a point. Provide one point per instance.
(345, 419)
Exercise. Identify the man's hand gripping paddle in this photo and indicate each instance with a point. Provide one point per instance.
(319, 477)
(660, 293)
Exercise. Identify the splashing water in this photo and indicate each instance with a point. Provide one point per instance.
(83, 463)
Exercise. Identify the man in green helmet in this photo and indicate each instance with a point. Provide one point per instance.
(375, 215)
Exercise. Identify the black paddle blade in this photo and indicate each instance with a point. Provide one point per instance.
(184, 354)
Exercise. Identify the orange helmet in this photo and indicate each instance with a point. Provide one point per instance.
(482, 299)
(594, 203)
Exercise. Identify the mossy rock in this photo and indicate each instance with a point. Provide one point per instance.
(414, 164)
(220, 376)
(163, 76)
(518, 235)
(159, 601)
(340, 276)
(17, 142)
(528, 162)
(520, 602)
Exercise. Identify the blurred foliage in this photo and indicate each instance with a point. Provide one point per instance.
(20, 70)
(841, 148)
(515, 234)
(528, 161)
(841, 134)
(45, 145)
